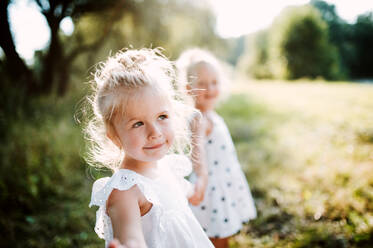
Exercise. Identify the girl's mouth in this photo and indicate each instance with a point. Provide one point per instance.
(154, 147)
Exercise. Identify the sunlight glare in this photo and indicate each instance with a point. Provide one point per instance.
(29, 28)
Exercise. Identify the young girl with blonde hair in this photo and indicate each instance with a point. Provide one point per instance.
(138, 127)
(227, 200)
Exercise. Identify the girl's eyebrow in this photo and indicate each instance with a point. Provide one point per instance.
(137, 118)
(163, 112)
(133, 119)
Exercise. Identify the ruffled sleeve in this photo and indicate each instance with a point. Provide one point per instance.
(101, 190)
(181, 167)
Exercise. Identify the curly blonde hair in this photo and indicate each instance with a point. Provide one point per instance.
(113, 81)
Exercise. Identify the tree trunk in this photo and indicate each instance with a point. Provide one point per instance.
(50, 71)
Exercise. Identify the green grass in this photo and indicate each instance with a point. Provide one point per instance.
(307, 151)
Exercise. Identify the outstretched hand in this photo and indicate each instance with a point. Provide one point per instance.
(115, 244)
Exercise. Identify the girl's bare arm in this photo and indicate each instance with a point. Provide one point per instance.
(124, 212)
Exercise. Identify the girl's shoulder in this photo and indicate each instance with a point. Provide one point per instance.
(216, 118)
(122, 179)
(218, 121)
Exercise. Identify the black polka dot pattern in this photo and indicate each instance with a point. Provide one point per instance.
(226, 191)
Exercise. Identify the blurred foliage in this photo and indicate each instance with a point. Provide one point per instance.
(43, 177)
(100, 28)
(352, 40)
(300, 45)
(255, 60)
(363, 40)
(310, 41)
(296, 46)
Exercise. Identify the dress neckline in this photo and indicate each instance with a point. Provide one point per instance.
(141, 175)
(213, 120)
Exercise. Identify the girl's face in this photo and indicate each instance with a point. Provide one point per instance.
(145, 129)
(206, 87)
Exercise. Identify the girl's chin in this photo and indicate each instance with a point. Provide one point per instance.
(206, 107)
(156, 155)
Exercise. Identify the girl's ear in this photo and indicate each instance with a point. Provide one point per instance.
(112, 135)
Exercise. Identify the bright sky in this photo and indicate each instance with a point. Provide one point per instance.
(237, 17)
(234, 18)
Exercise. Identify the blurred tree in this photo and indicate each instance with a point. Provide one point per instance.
(340, 34)
(55, 61)
(353, 41)
(110, 25)
(362, 66)
(256, 57)
(300, 46)
(236, 49)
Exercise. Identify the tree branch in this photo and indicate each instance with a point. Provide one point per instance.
(119, 11)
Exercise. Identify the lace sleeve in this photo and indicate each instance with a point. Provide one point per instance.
(101, 190)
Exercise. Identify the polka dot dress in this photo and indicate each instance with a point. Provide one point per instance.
(228, 202)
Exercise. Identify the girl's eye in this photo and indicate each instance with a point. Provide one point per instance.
(163, 117)
(138, 124)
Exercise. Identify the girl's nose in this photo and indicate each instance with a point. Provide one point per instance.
(209, 87)
(154, 132)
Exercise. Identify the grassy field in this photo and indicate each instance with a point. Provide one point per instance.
(307, 149)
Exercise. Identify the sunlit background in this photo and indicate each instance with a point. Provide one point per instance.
(299, 108)
(233, 18)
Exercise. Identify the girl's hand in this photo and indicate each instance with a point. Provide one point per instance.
(115, 244)
(199, 191)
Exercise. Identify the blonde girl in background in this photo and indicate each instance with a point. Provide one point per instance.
(139, 123)
(227, 202)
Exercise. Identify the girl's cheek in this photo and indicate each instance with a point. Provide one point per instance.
(171, 132)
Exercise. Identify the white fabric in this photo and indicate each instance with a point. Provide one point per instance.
(228, 202)
(170, 222)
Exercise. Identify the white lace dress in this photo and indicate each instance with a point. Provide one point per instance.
(170, 222)
(228, 202)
